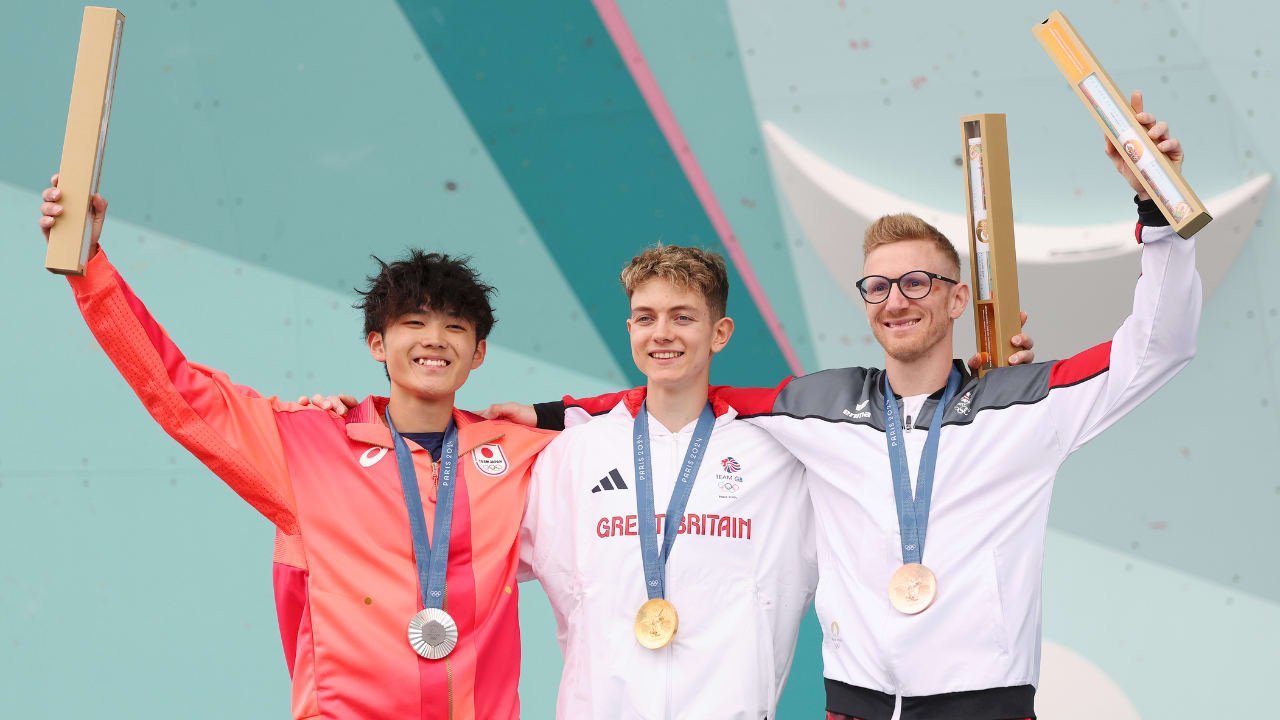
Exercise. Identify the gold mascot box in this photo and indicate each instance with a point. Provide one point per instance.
(1163, 182)
(86, 138)
(993, 260)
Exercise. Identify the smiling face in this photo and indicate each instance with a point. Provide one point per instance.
(909, 329)
(674, 333)
(428, 353)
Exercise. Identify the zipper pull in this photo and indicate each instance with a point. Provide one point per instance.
(908, 425)
(435, 479)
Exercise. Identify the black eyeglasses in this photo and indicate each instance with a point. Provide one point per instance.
(914, 285)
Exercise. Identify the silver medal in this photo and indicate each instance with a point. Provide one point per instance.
(432, 633)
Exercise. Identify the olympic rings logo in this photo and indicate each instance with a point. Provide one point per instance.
(728, 486)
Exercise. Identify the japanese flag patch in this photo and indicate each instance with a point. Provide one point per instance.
(489, 459)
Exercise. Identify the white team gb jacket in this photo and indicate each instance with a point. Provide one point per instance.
(741, 574)
(1002, 440)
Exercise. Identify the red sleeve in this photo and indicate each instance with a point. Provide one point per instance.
(749, 401)
(231, 431)
(598, 404)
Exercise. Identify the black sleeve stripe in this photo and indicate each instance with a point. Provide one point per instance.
(550, 415)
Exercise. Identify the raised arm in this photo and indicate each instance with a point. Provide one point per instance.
(229, 428)
(1097, 387)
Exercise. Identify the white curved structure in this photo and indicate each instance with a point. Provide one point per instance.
(1072, 687)
(834, 208)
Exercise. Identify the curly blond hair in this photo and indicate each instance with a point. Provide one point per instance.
(685, 267)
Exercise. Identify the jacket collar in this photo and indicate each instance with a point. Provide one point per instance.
(633, 398)
(965, 377)
(365, 425)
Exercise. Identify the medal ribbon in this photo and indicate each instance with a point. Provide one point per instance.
(432, 562)
(655, 564)
(913, 511)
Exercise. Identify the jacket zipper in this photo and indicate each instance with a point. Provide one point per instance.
(448, 668)
(666, 685)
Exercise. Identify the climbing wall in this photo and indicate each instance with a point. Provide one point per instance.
(260, 153)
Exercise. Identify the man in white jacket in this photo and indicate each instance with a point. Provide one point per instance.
(932, 488)
(739, 567)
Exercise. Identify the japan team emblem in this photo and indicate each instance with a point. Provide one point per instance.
(489, 459)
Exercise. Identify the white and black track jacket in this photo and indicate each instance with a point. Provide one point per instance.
(976, 651)
(741, 574)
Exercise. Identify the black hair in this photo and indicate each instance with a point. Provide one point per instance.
(426, 280)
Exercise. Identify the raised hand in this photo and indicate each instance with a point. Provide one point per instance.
(50, 210)
(1022, 357)
(1159, 133)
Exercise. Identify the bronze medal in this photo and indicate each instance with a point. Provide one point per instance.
(912, 589)
(656, 623)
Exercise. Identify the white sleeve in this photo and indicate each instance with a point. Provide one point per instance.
(1091, 391)
(574, 415)
(799, 581)
(540, 533)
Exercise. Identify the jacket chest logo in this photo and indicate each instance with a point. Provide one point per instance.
(612, 481)
(729, 482)
(489, 459)
(371, 456)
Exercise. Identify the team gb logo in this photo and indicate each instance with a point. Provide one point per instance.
(489, 459)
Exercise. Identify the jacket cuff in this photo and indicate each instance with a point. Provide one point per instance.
(1149, 214)
(550, 415)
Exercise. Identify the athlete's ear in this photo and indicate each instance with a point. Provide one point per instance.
(959, 301)
(478, 358)
(376, 347)
(723, 330)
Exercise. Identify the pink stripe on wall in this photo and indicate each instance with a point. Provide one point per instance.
(620, 32)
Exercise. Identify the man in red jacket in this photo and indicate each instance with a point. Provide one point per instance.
(380, 617)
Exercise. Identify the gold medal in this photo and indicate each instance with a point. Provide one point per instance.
(432, 633)
(912, 589)
(656, 623)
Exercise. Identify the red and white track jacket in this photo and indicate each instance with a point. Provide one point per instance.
(741, 574)
(1002, 440)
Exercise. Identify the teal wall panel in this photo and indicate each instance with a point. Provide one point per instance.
(302, 138)
(694, 54)
(549, 96)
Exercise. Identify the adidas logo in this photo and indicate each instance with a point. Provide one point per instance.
(612, 481)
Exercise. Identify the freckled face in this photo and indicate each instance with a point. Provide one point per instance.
(908, 329)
